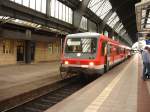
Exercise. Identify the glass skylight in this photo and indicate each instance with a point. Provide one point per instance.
(83, 23)
(61, 11)
(123, 32)
(100, 7)
(113, 20)
(57, 9)
(119, 28)
(6, 19)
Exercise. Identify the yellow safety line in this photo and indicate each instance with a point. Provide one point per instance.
(148, 86)
(97, 103)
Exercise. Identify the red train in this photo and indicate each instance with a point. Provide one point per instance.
(90, 53)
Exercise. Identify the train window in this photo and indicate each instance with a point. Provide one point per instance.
(103, 48)
(84, 45)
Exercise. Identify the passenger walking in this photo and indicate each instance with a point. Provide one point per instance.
(146, 61)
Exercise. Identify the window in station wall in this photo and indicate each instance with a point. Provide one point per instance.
(32, 5)
(26, 3)
(57, 47)
(83, 23)
(57, 9)
(61, 11)
(70, 15)
(50, 48)
(38, 5)
(8, 46)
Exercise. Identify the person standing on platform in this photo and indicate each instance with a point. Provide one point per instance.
(146, 60)
(148, 67)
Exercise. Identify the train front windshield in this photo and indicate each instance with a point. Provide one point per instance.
(82, 45)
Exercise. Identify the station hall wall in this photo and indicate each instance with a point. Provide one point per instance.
(45, 51)
(7, 52)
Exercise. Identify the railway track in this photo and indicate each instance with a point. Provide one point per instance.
(44, 102)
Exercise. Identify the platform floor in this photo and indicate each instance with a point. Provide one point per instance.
(18, 79)
(119, 90)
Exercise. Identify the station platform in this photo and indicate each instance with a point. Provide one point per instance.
(119, 90)
(19, 79)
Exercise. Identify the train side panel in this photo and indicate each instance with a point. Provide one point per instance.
(109, 53)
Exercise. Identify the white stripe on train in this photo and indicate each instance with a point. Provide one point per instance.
(94, 66)
(84, 66)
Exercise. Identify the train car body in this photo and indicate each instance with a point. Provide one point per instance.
(91, 53)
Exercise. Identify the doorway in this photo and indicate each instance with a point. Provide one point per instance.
(29, 51)
(20, 50)
(32, 51)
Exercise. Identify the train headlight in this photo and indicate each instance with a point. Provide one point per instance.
(66, 62)
(91, 64)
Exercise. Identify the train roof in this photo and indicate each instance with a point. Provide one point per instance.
(86, 34)
(92, 35)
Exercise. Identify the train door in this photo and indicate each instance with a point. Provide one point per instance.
(112, 54)
(107, 57)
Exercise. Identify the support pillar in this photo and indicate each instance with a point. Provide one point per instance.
(28, 47)
(111, 34)
(28, 52)
(101, 27)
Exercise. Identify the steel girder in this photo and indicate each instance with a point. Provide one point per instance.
(78, 13)
(106, 18)
(74, 4)
(92, 16)
(19, 32)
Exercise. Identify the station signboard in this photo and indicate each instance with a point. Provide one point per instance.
(147, 42)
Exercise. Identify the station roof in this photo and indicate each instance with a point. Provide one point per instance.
(122, 18)
(7, 19)
(118, 14)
